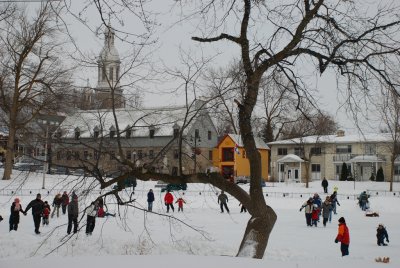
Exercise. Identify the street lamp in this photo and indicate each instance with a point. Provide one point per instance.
(46, 123)
(196, 139)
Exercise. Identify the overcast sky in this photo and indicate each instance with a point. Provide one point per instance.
(171, 36)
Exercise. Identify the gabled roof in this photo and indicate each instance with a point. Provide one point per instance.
(237, 139)
(162, 119)
(290, 158)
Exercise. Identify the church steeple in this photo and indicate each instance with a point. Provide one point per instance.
(108, 72)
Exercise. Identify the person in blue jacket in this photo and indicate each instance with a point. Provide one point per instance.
(150, 200)
(381, 235)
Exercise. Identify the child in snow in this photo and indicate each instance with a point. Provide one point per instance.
(315, 215)
(46, 213)
(343, 237)
(381, 234)
(180, 202)
(242, 208)
(16, 208)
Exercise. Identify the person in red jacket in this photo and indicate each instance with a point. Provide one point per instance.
(343, 237)
(315, 215)
(169, 201)
(180, 202)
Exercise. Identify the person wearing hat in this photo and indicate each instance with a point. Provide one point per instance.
(308, 210)
(37, 206)
(381, 234)
(16, 208)
(343, 237)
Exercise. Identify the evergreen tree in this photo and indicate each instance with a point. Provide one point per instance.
(344, 173)
(379, 175)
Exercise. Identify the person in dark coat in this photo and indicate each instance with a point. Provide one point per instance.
(64, 202)
(223, 200)
(343, 237)
(381, 235)
(73, 212)
(150, 200)
(324, 185)
(16, 208)
(1, 218)
(37, 206)
(91, 217)
(57, 204)
(334, 202)
(326, 210)
(242, 208)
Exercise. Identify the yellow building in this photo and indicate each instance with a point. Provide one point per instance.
(230, 157)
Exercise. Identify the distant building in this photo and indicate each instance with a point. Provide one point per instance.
(231, 159)
(325, 155)
(148, 136)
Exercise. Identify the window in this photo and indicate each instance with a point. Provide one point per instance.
(315, 151)
(69, 155)
(151, 154)
(396, 170)
(59, 156)
(282, 151)
(117, 73)
(77, 135)
(196, 133)
(140, 154)
(96, 155)
(76, 155)
(343, 149)
(128, 133)
(176, 154)
(111, 74)
(370, 149)
(112, 155)
(209, 135)
(103, 74)
(210, 155)
(176, 132)
(282, 167)
(96, 134)
(227, 154)
(299, 151)
(151, 133)
(315, 168)
(128, 155)
(85, 155)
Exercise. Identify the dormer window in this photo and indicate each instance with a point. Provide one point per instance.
(176, 131)
(112, 132)
(96, 132)
(128, 132)
(77, 133)
(151, 132)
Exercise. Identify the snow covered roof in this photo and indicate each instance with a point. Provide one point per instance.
(260, 144)
(140, 121)
(290, 158)
(354, 138)
(366, 159)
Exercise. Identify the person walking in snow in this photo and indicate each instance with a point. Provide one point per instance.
(317, 201)
(64, 202)
(73, 212)
(46, 213)
(363, 200)
(343, 237)
(180, 202)
(150, 200)
(334, 202)
(37, 206)
(223, 201)
(308, 209)
(16, 208)
(169, 201)
(326, 210)
(91, 217)
(242, 208)
(324, 185)
(315, 215)
(57, 204)
(381, 235)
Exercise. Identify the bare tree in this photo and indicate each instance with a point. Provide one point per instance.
(332, 35)
(31, 70)
(388, 107)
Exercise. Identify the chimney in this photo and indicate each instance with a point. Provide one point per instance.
(340, 133)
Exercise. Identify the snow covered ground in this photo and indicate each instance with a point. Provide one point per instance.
(199, 237)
